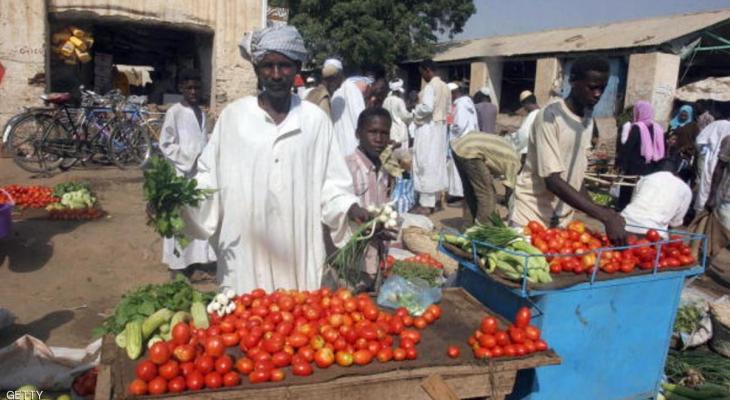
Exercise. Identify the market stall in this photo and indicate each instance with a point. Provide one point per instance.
(608, 311)
(466, 376)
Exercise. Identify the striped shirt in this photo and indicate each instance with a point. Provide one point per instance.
(496, 151)
(371, 186)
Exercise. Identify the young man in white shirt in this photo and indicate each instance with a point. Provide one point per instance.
(660, 201)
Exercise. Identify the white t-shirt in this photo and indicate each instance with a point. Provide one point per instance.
(660, 200)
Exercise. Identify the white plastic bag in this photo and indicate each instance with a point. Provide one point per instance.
(415, 295)
(29, 361)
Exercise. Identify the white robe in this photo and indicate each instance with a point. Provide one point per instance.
(465, 121)
(520, 137)
(277, 185)
(401, 117)
(181, 141)
(430, 147)
(347, 104)
(708, 144)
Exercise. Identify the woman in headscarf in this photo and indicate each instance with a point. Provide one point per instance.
(681, 118)
(642, 146)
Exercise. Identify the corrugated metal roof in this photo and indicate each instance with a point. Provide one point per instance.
(618, 35)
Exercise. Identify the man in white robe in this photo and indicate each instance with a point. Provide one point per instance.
(396, 106)
(430, 145)
(465, 121)
(347, 103)
(279, 176)
(708, 143)
(182, 139)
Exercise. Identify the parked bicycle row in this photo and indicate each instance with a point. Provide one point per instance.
(102, 129)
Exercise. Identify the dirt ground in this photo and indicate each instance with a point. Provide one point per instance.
(60, 278)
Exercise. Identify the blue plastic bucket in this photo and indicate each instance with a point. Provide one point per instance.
(6, 220)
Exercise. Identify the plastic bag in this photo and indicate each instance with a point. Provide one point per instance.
(415, 295)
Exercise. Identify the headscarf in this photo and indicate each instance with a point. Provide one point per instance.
(396, 86)
(283, 39)
(652, 149)
(674, 124)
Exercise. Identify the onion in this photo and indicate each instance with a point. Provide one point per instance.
(230, 293)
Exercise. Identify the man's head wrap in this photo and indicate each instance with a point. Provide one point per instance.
(281, 39)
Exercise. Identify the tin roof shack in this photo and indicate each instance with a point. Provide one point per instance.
(649, 58)
(166, 35)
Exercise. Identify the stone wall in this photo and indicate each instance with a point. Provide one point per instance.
(23, 46)
(653, 77)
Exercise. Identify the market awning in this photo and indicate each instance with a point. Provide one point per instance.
(713, 88)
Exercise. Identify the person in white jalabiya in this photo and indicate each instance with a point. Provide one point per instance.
(347, 103)
(708, 145)
(430, 146)
(465, 121)
(279, 176)
(182, 139)
(520, 137)
(399, 113)
(660, 201)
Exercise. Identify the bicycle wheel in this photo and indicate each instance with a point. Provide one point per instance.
(24, 138)
(129, 145)
(57, 148)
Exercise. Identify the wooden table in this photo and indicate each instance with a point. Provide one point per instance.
(467, 376)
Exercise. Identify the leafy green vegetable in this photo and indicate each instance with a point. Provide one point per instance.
(713, 367)
(167, 193)
(410, 270)
(68, 187)
(688, 318)
(145, 301)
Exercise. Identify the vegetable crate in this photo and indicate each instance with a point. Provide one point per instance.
(613, 335)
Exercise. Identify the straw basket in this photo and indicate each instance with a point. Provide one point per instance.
(418, 240)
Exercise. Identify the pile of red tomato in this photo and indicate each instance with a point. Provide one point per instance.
(575, 248)
(29, 196)
(518, 339)
(278, 332)
(420, 258)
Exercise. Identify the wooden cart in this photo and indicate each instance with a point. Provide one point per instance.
(405, 380)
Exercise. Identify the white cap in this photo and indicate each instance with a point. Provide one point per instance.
(337, 64)
(453, 85)
(485, 91)
(525, 94)
(310, 79)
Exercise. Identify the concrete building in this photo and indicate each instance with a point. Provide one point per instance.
(648, 59)
(164, 34)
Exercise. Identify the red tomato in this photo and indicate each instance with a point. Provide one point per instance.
(502, 338)
(157, 386)
(344, 358)
(487, 341)
(653, 236)
(138, 387)
(362, 357)
(673, 262)
(520, 350)
(540, 345)
(231, 378)
(184, 353)
(223, 364)
(204, 364)
(181, 333)
(302, 369)
(213, 380)
(230, 339)
(497, 351)
(411, 353)
(169, 370)
(214, 346)
(420, 322)
(281, 359)
(159, 353)
(263, 365)
(277, 375)
(176, 385)
(453, 351)
(324, 358)
(435, 310)
(532, 333)
(259, 376)
(195, 381)
(146, 370)
(385, 354)
(509, 350)
(186, 368)
(244, 365)
(298, 340)
(399, 354)
(411, 334)
(516, 335)
(489, 325)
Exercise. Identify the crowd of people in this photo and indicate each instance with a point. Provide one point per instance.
(299, 161)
